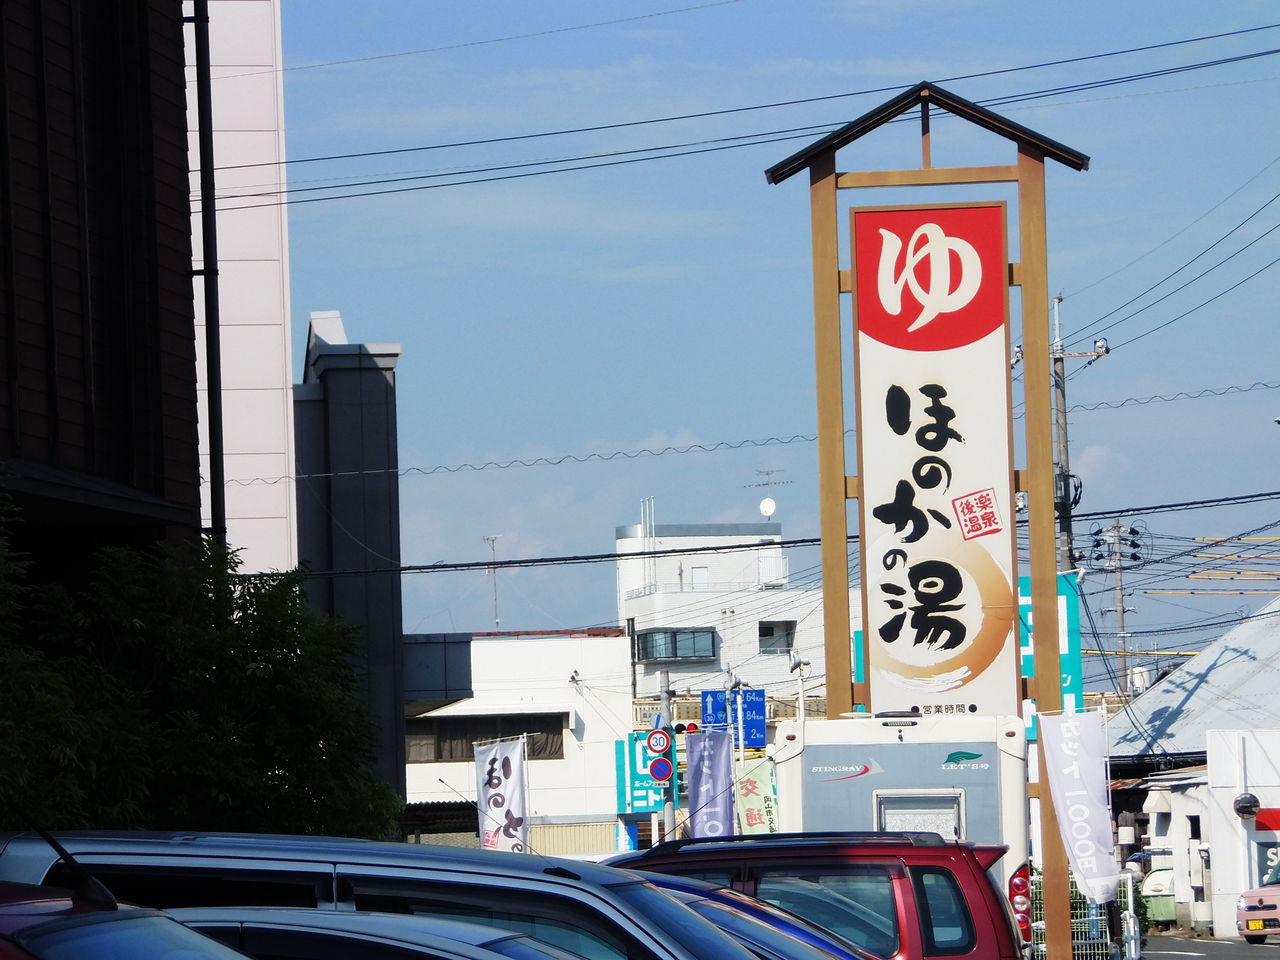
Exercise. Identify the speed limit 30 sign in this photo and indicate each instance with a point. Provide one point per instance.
(658, 741)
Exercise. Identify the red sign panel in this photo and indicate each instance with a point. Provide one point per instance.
(930, 279)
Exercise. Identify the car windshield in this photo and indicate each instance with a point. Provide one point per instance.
(122, 936)
(700, 937)
(857, 904)
(756, 934)
(764, 909)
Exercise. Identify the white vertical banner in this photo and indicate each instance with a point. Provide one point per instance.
(501, 795)
(1075, 756)
(757, 799)
(935, 457)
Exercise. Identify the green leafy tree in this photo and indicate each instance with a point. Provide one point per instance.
(171, 691)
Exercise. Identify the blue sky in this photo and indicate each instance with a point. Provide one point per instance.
(666, 303)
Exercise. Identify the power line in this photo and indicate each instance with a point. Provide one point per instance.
(575, 559)
(1181, 395)
(1187, 313)
(504, 39)
(732, 110)
(606, 457)
(1079, 334)
(761, 139)
(1174, 236)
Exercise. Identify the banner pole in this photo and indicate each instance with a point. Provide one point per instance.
(1034, 276)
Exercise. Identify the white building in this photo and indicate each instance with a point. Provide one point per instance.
(707, 600)
(571, 693)
(1240, 761)
(253, 270)
(1180, 828)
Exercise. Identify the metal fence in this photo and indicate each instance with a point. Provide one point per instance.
(1091, 933)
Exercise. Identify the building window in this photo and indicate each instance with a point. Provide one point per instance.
(777, 636)
(691, 644)
(450, 739)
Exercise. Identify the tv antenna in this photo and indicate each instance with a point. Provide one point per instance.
(768, 480)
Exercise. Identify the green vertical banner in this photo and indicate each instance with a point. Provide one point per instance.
(1070, 657)
(859, 675)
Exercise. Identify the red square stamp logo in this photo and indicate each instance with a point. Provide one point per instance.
(977, 514)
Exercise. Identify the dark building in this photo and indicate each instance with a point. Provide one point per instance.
(98, 432)
(349, 513)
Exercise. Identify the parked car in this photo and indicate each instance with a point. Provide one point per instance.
(758, 911)
(48, 923)
(905, 896)
(304, 933)
(1258, 910)
(763, 939)
(594, 911)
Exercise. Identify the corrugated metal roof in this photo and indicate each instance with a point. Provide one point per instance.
(1229, 685)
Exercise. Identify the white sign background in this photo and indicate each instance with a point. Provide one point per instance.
(980, 674)
(501, 797)
(1075, 757)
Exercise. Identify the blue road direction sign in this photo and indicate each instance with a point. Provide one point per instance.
(720, 712)
(715, 715)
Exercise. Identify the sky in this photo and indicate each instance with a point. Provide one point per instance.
(574, 342)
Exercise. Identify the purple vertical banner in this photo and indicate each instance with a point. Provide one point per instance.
(710, 772)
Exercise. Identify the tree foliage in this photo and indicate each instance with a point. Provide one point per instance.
(169, 691)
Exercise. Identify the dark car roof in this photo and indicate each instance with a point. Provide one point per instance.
(340, 849)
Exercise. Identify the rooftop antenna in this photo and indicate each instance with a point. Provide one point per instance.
(768, 480)
(493, 573)
(767, 507)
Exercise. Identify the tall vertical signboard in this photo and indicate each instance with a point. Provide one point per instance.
(935, 457)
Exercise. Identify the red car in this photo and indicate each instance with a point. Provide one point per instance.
(49, 923)
(903, 896)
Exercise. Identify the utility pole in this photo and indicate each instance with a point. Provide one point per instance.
(493, 573)
(668, 791)
(1066, 495)
(1123, 547)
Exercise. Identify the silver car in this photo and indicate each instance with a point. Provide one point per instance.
(597, 912)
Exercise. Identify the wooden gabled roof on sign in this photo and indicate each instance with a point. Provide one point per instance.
(926, 93)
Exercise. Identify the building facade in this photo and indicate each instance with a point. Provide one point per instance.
(569, 693)
(349, 508)
(709, 602)
(98, 436)
(253, 280)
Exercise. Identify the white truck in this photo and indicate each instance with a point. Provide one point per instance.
(961, 776)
